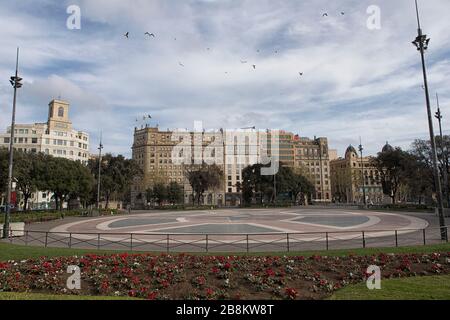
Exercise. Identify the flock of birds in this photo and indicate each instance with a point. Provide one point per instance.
(152, 35)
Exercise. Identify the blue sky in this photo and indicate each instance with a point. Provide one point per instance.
(356, 81)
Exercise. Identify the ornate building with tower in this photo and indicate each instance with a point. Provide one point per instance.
(55, 137)
(347, 179)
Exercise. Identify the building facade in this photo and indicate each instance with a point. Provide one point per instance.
(347, 179)
(152, 150)
(55, 137)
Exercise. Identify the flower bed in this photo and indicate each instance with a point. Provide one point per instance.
(211, 277)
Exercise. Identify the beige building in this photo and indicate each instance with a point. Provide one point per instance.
(152, 149)
(347, 183)
(55, 137)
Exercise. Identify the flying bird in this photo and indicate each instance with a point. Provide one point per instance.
(342, 13)
(325, 15)
(243, 62)
(126, 35)
(150, 34)
(300, 73)
(181, 64)
(254, 66)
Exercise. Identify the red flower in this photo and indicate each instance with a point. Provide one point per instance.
(215, 270)
(209, 292)
(105, 285)
(152, 295)
(270, 273)
(291, 293)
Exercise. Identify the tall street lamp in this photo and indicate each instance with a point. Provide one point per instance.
(421, 42)
(16, 83)
(100, 147)
(361, 149)
(444, 153)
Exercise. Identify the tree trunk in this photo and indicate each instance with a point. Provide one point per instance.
(25, 201)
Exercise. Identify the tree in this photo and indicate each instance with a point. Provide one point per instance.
(117, 174)
(175, 193)
(160, 193)
(4, 160)
(392, 165)
(59, 178)
(300, 185)
(203, 178)
(287, 181)
(28, 174)
(85, 186)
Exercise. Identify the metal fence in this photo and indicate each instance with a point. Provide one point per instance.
(264, 242)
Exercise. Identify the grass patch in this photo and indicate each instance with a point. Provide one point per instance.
(43, 296)
(416, 288)
(16, 252)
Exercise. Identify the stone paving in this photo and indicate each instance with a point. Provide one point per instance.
(238, 230)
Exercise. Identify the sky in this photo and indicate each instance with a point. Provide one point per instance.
(199, 67)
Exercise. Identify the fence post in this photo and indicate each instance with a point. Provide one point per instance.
(424, 237)
(326, 240)
(364, 239)
(248, 248)
(70, 240)
(26, 237)
(168, 243)
(287, 239)
(207, 243)
(98, 241)
(46, 239)
(10, 235)
(396, 238)
(131, 242)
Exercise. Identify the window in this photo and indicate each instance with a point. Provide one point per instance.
(61, 112)
(6, 140)
(34, 140)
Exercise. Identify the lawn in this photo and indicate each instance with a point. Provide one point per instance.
(16, 252)
(415, 288)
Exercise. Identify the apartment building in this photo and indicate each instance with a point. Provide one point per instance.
(55, 137)
(152, 149)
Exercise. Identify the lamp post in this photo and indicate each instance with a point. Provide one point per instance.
(361, 149)
(444, 153)
(16, 83)
(100, 147)
(421, 42)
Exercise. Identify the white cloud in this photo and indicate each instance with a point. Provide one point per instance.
(349, 71)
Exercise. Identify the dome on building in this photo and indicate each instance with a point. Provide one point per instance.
(387, 148)
(350, 150)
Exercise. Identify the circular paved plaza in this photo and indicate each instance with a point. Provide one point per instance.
(238, 230)
(246, 221)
